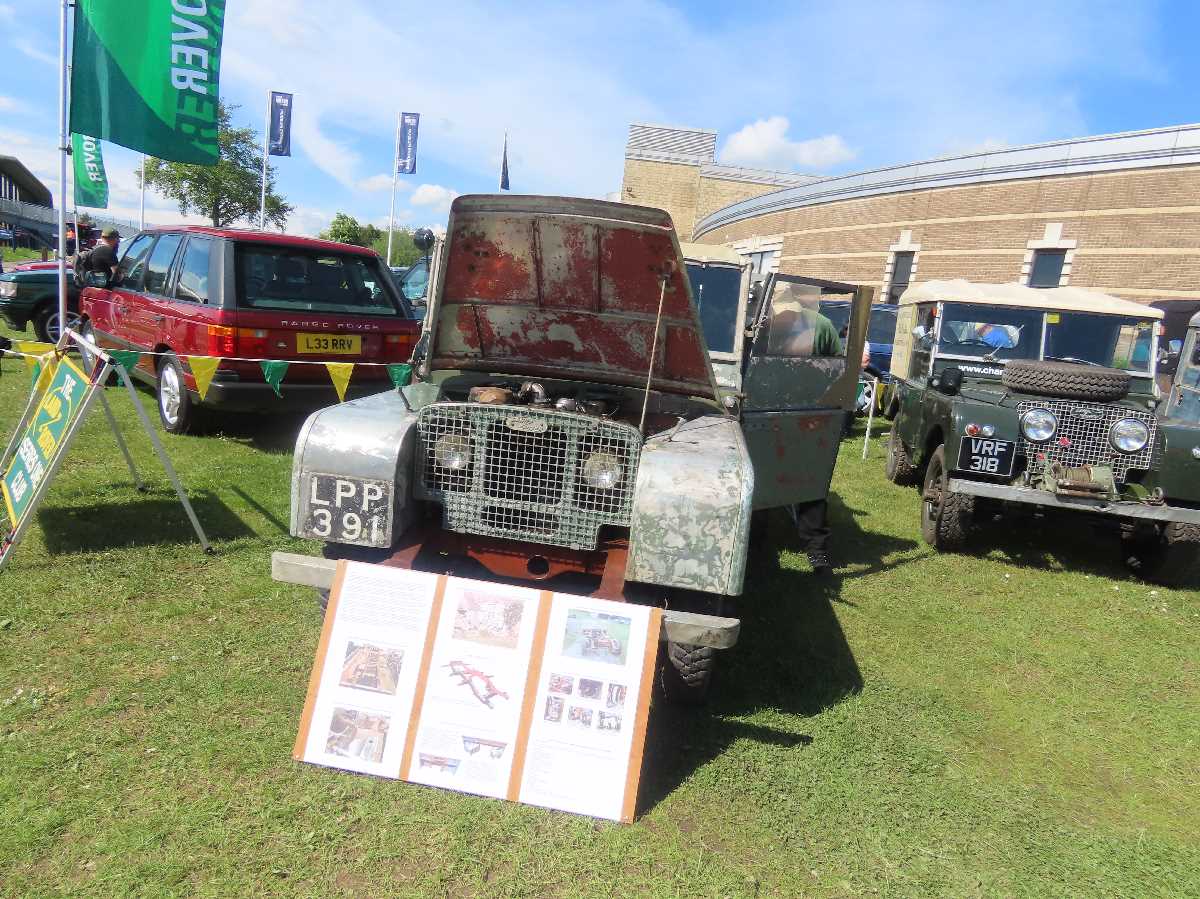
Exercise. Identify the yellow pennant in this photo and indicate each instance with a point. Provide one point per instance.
(46, 375)
(32, 347)
(203, 368)
(339, 373)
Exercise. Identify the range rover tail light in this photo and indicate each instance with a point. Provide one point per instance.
(222, 341)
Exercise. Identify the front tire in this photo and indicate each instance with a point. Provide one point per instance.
(176, 410)
(46, 323)
(946, 517)
(686, 673)
(1170, 557)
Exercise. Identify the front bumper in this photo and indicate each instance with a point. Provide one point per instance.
(1034, 497)
(688, 628)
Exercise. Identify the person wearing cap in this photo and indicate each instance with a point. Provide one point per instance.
(104, 257)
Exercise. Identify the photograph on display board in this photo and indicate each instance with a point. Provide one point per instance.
(480, 683)
(616, 696)
(554, 708)
(440, 762)
(590, 689)
(476, 745)
(488, 620)
(577, 714)
(596, 637)
(368, 666)
(357, 734)
(562, 683)
(608, 722)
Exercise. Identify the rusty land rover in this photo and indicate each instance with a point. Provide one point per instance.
(586, 404)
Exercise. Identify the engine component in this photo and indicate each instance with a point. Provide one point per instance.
(491, 396)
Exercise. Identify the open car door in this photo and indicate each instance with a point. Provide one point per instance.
(799, 383)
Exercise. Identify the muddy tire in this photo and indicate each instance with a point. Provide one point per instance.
(899, 468)
(685, 675)
(1171, 557)
(1067, 380)
(946, 517)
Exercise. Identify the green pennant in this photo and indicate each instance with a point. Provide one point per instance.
(127, 359)
(35, 371)
(274, 372)
(91, 183)
(400, 373)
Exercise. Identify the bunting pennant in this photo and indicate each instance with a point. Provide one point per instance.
(203, 368)
(339, 373)
(44, 373)
(400, 373)
(127, 359)
(273, 372)
(34, 364)
(33, 347)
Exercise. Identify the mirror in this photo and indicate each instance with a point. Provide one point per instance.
(949, 381)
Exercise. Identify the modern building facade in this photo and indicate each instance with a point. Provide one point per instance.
(1116, 213)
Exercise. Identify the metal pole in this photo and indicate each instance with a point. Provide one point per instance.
(262, 204)
(63, 149)
(871, 414)
(142, 209)
(392, 210)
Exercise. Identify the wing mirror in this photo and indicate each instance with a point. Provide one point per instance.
(949, 381)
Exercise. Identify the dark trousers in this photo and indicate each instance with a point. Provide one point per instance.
(812, 525)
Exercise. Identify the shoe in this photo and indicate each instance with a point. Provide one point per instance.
(819, 560)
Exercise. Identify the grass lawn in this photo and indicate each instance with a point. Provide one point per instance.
(9, 255)
(1021, 721)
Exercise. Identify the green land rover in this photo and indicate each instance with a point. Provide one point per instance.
(1011, 400)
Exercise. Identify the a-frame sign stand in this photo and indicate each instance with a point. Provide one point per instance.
(57, 409)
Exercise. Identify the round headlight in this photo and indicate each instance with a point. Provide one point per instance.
(602, 471)
(1038, 425)
(452, 451)
(1129, 435)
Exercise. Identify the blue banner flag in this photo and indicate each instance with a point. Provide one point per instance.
(504, 165)
(406, 153)
(280, 143)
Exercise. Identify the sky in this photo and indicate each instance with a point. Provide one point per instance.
(821, 88)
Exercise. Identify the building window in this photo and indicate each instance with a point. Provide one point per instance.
(1047, 268)
(902, 266)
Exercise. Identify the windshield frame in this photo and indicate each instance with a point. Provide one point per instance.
(1178, 388)
(743, 299)
(937, 353)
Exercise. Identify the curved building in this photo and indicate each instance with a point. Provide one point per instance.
(1117, 213)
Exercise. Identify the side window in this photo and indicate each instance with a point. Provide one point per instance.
(923, 346)
(416, 281)
(193, 271)
(797, 326)
(133, 263)
(159, 264)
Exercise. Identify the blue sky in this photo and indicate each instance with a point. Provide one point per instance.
(823, 88)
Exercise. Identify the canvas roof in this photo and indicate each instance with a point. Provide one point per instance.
(1065, 299)
(705, 252)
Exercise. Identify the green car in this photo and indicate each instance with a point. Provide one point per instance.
(32, 296)
(1013, 401)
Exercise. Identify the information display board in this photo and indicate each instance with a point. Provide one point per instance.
(496, 690)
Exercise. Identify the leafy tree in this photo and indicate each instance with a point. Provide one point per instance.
(229, 191)
(404, 251)
(344, 229)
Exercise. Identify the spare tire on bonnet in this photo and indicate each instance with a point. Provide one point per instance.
(1069, 380)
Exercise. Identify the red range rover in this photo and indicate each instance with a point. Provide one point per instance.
(249, 295)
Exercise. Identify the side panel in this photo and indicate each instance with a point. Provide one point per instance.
(369, 439)
(691, 509)
(794, 454)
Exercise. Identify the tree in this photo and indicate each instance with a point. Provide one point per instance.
(344, 229)
(229, 191)
(404, 251)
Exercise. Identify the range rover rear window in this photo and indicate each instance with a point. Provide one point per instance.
(293, 279)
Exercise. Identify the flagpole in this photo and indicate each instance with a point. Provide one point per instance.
(503, 158)
(142, 209)
(262, 205)
(63, 147)
(392, 208)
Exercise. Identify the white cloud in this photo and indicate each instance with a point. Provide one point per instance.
(34, 52)
(8, 104)
(380, 184)
(433, 197)
(765, 144)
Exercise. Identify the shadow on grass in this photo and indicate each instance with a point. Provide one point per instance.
(269, 433)
(792, 657)
(153, 521)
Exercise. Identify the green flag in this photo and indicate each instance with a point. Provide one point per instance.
(91, 183)
(145, 75)
(400, 373)
(273, 372)
(127, 359)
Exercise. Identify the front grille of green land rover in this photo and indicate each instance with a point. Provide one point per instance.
(519, 471)
(1082, 437)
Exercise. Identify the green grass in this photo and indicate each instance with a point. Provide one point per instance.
(8, 254)
(1022, 721)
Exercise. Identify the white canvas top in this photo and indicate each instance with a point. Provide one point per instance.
(1066, 299)
(706, 252)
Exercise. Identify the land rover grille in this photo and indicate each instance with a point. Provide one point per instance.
(1082, 437)
(519, 472)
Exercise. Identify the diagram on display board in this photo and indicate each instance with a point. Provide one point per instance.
(496, 690)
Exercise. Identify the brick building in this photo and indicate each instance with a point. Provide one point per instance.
(1116, 213)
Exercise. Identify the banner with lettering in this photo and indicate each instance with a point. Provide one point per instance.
(91, 183)
(145, 75)
(280, 139)
(406, 153)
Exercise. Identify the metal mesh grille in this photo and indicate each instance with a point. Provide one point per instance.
(1082, 437)
(523, 473)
